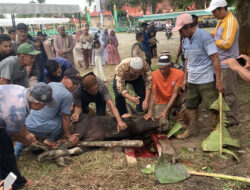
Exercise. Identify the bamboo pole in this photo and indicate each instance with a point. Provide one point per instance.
(221, 135)
(123, 143)
(236, 178)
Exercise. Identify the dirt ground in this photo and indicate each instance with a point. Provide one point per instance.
(107, 168)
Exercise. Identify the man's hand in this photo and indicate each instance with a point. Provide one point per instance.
(30, 138)
(73, 139)
(163, 114)
(135, 100)
(75, 117)
(232, 63)
(148, 116)
(144, 105)
(121, 126)
(219, 85)
(184, 84)
(60, 53)
(1, 187)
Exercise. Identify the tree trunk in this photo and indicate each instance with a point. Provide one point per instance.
(243, 17)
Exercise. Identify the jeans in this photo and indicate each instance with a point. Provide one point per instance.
(139, 88)
(46, 130)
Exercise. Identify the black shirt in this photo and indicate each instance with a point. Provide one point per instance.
(2, 57)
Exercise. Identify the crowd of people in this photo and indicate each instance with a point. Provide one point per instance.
(42, 92)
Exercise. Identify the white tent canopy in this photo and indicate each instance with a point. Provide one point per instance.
(33, 8)
(28, 21)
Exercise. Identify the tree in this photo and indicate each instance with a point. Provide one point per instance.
(110, 5)
(41, 1)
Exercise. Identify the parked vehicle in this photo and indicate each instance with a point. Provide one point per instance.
(95, 32)
(169, 31)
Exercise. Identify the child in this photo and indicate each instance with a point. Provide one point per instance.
(113, 55)
(98, 60)
(137, 50)
(153, 44)
(78, 48)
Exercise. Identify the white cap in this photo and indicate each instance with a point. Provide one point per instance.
(164, 61)
(216, 4)
(136, 63)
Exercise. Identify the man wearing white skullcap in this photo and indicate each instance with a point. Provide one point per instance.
(138, 73)
(166, 85)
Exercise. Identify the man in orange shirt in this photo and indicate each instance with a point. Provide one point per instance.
(166, 85)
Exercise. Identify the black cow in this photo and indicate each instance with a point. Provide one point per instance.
(98, 128)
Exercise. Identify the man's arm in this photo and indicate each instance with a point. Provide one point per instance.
(66, 128)
(179, 52)
(24, 136)
(184, 83)
(170, 103)
(77, 112)
(146, 100)
(71, 43)
(4, 81)
(151, 106)
(217, 70)
(120, 124)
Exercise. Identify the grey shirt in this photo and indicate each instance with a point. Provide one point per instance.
(11, 70)
(102, 90)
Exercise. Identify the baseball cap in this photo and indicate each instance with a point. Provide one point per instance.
(144, 24)
(136, 63)
(182, 20)
(26, 48)
(73, 75)
(216, 4)
(22, 26)
(41, 93)
(164, 61)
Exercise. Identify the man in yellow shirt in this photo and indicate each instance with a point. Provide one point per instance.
(226, 35)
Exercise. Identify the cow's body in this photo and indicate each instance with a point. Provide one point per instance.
(93, 127)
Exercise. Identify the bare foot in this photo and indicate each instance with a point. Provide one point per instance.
(29, 182)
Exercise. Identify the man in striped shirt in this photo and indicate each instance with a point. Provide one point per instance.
(226, 35)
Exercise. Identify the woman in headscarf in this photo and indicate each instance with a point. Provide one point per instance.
(87, 41)
(78, 48)
(112, 49)
(104, 37)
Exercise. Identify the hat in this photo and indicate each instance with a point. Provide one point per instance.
(164, 61)
(41, 93)
(136, 63)
(73, 75)
(22, 26)
(182, 20)
(26, 48)
(60, 26)
(216, 4)
(89, 80)
(144, 24)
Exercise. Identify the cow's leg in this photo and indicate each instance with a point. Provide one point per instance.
(120, 101)
(139, 88)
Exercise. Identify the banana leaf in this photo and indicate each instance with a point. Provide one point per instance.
(175, 129)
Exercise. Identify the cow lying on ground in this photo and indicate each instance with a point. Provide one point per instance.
(99, 128)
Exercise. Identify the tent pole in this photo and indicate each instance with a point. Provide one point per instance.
(79, 18)
(13, 21)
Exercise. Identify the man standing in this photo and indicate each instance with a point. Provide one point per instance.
(55, 68)
(15, 104)
(136, 50)
(12, 34)
(202, 63)
(137, 73)
(5, 47)
(166, 85)
(47, 45)
(92, 89)
(145, 44)
(64, 45)
(12, 69)
(226, 36)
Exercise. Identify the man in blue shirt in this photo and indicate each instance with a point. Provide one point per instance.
(145, 43)
(55, 68)
(202, 63)
(15, 104)
(51, 122)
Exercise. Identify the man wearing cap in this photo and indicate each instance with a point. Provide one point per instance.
(166, 85)
(55, 68)
(12, 69)
(226, 36)
(64, 45)
(92, 89)
(22, 37)
(145, 43)
(137, 73)
(202, 63)
(49, 122)
(15, 104)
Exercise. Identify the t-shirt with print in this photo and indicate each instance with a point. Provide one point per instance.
(63, 103)
(197, 51)
(14, 107)
(64, 64)
(11, 70)
(102, 90)
(164, 88)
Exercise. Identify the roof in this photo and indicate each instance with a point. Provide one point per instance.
(95, 13)
(172, 15)
(7, 22)
(134, 11)
(34, 8)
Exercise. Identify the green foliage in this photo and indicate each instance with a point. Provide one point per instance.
(175, 129)
(148, 170)
(216, 105)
